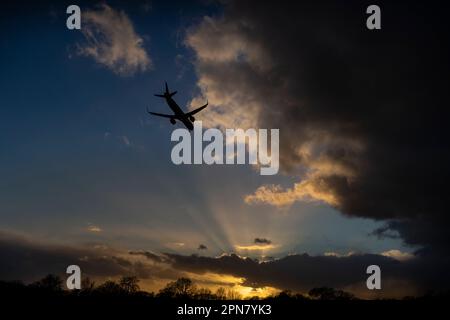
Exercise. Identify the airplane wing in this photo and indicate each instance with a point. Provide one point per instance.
(170, 116)
(196, 110)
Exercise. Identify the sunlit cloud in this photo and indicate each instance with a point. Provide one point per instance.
(337, 254)
(334, 144)
(214, 280)
(112, 41)
(312, 189)
(253, 247)
(394, 254)
(397, 255)
(176, 244)
(93, 228)
(262, 292)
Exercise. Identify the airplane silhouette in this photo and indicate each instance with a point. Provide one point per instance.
(186, 118)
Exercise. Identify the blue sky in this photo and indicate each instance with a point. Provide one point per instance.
(79, 150)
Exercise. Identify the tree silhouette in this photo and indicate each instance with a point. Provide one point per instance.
(227, 294)
(181, 288)
(233, 295)
(50, 283)
(221, 293)
(127, 287)
(284, 295)
(204, 294)
(87, 285)
(325, 293)
(129, 284)
(110, 288)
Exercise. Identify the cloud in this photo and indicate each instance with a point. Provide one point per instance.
(112, 41)
(92, 228)
(360, 116)
(301, 272)
(202, 247)
(398, 255)
(259, 244)
(254, 247)
(176, 244)
(150, 255)
(337, 254)
(262, 241)
(28, 260)
(306, 190)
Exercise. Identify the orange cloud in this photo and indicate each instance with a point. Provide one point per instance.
(92, 228)
(311, 189)
(256, 247)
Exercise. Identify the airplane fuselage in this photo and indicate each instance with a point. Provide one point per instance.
(186, 118)
(179, 113)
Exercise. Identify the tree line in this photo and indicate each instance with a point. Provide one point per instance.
(182, 288)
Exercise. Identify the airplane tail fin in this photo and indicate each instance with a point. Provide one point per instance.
(167, 93)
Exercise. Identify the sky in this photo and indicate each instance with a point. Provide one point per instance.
(86, 173)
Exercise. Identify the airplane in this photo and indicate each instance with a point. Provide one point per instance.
(186, 118)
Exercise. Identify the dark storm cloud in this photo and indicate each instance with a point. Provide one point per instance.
(28, 261)
(362, 114)
(262, 241)
(150, 255)
(302, 272)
